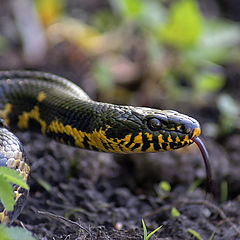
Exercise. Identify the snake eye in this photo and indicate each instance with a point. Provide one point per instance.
(154, 124)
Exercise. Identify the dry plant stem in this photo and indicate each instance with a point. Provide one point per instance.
(64, 220)
(217, 209)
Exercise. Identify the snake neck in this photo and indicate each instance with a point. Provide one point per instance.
(98, 126)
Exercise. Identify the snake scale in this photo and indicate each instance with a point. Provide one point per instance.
(61, 110)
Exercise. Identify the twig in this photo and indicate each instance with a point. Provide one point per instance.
(64, 220)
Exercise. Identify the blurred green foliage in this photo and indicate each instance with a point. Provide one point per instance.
(175, 213)
(103, 76)
(14, 233)
(184, 25)
(49, 10)
(229, 113)
(195, 46)
(194, 233)
(3, 44)
(163, 189)
(7, 195)
(165, 186)
(184, 51)
(224, 191)
(130, 9)
(8, 176)
(147, 236)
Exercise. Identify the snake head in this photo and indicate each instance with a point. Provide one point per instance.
(152, 130)
(169, 129)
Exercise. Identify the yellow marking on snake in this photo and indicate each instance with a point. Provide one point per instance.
(138, 138)
(160, 139)
(186, 138)
(23, 119)
(4, 113)
(97, 138)
(178, 139)
(168, 146)
(41, 96)
(170, 139)
(126, 139)
(197, 132)
(149, 136)
(151, 148)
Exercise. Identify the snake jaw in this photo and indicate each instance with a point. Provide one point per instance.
(196, 132)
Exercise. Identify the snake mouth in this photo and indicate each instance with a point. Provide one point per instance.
(196, 133)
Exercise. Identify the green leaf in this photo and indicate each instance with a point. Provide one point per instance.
(153, 232)
(13, 176)
(194, 233)
(6, 193)
(165, 186)
(145, 235)
(129, 8)
(224, 191)
(207, 81)
(212, 236)
(175, 213)
(14, 233)
(184, 25)
(195, 184)
(45, 184)
(3, 232)
(144, 230)
(3, 44)
(103, 76)
(132, 8)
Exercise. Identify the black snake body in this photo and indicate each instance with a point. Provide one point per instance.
(61, 110)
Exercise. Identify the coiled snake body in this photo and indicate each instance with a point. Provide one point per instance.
(61, 110)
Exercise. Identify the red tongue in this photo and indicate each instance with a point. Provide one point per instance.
(204, 152)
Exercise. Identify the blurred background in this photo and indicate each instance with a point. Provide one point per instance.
(181, 55)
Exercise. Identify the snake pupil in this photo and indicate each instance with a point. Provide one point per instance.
(182, 128)
(154, 124)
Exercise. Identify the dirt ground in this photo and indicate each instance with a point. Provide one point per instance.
(81, 195)
(77, 194)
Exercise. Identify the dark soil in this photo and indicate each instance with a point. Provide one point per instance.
(108, 195)
(81, 195)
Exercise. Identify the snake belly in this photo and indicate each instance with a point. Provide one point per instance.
(61, 110)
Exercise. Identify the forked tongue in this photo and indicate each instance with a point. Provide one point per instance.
(205, 155)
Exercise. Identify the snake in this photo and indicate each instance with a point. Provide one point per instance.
(61, 110)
